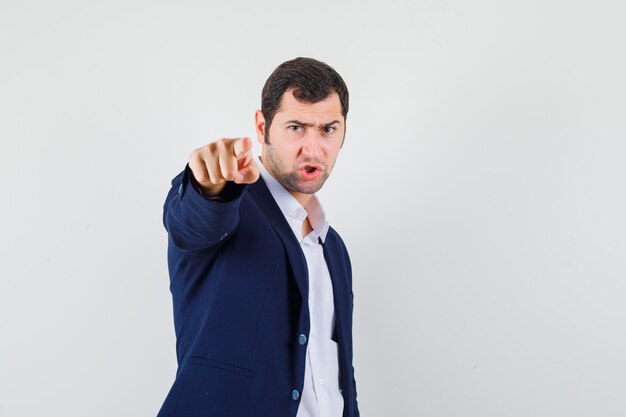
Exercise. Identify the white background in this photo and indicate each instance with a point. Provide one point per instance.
(480, 192)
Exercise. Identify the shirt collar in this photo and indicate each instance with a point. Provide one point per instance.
(293, 210)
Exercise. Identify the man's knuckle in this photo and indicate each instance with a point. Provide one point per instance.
(201, 176)
(195, 155)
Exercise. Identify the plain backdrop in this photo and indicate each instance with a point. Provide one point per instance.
(480, 192)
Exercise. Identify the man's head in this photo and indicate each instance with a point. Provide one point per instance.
(301, 124)
(310, 80)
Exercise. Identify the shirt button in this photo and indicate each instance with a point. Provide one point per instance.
(302, 339)
(321, 381)
(295, 395)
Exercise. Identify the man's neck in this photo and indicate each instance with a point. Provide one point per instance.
(303, 199)
(306, 227)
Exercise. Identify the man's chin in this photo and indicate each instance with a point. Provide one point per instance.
(307, 187)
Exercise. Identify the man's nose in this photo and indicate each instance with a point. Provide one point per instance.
(311, 146)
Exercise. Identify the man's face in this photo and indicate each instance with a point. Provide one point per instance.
(304, 140)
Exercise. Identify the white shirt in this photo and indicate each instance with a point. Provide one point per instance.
(320, 396)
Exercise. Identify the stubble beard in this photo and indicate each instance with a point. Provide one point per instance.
(291, 179)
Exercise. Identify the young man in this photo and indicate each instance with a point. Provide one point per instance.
(261, 284)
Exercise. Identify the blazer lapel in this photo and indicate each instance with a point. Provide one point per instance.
(266, 203)
(342, 303)
(340, 285)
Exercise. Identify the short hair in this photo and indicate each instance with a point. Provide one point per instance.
(311, 81)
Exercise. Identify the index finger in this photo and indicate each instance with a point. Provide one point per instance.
(241, 147)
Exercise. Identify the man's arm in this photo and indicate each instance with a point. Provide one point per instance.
(202, 207)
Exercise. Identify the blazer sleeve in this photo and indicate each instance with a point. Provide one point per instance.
(196, 222)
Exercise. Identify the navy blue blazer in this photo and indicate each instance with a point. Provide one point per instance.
(239, 285)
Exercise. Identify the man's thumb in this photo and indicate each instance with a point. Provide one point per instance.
(248, 174)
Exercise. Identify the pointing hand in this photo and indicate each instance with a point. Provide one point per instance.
(221, 161)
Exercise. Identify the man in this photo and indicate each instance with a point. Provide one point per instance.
(261, 284)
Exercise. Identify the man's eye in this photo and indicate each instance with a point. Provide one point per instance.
(329, 129)
(295, 128)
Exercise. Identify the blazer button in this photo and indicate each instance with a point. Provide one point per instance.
(295, 395)
(302, 339)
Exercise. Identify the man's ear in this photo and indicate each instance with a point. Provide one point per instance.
(259, 124)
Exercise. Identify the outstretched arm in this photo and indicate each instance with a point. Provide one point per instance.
(202, 207)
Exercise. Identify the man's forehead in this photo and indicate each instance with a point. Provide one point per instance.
(328, 108)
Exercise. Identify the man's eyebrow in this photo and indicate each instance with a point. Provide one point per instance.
(331, 123)
(298, 122)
